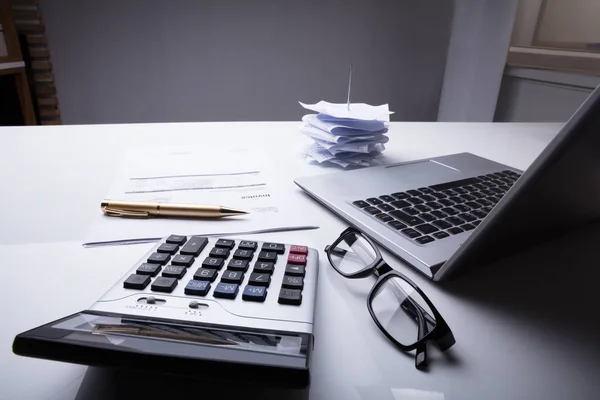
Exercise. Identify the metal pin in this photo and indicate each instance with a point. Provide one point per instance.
(349, 87)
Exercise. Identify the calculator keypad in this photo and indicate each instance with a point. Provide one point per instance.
(249, 269)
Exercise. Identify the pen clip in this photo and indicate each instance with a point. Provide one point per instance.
(113, 212)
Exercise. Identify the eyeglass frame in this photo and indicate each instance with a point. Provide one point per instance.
(441, 334)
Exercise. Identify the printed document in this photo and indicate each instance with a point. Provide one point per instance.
(231, 178)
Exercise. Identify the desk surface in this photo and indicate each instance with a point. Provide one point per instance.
(521, 331)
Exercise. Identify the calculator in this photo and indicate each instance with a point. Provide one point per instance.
(214, 308)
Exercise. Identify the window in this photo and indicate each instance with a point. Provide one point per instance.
(557, 34)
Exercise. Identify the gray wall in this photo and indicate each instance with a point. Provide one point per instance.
(529, 95)
(121, 61)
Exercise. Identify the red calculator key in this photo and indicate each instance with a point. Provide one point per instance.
(299, 259)
(298, 249)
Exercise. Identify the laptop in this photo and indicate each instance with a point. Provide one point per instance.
(447, 215)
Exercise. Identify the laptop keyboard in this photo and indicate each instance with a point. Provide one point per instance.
(439, 211)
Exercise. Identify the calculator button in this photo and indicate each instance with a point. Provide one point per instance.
(243, 254)
(205, 274)
(298, 249)
(212, 262)
(228, 243)
(247, 245)
(267, 256)
(238, 265)
(159, 258)
(226, 290)
(197, 288)
(163, 284)
(136, 281)
(186, 261)
(168, 248)
(176, 239)
(219, 252)
(290, 296)
(258, 279)
(174, 271)
(276, 247)
(254, 293)
(264, 267)
(232, 277)
(292, 282)
(299, 259)
(194, 246)
(148, 269)
(294, 270)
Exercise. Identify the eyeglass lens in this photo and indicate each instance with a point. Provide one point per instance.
(352, 254)
(399, 308)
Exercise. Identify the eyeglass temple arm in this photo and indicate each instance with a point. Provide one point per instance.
(421, 354)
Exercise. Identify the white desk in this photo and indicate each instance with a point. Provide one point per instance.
(516, 335)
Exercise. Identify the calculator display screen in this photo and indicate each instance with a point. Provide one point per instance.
(188, 340)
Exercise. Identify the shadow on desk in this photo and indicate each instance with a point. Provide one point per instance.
(553, 285)
(108, 383)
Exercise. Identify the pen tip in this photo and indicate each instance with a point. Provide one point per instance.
(226, 211)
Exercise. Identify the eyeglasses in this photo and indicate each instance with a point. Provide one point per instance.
(399, 308)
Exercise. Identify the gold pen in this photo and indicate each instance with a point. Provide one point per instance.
(145, 209)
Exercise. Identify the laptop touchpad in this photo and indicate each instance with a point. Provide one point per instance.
(428, 170)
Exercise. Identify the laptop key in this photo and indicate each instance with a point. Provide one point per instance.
(427, 217)
(426, 228)
(397, 225)
(423, 208)
(455, 221)
(485, 202)
(454, 184)
(372, 210)
(401, 195)
(360, 203)
(374, 201)
(415, 200)
(411, 233)
(427, 197)
(385, 207)
(400, 204)
(476, 223)
(440, 235)
(479, 186)
(439, 214)
(449, 210)
(387, 198)
(424, 239)
(449, 192)
(506, 188)
(414, 192)
(455, 230)
(497, 190)
(411, 211)
(484, 178)
(457, 199)
(478, 195)
(497, 182)
(467, 217)
(488, 192)
(462, 208)
(468, 227)
(470, 188)
(384, 217)
(439, 195)
(405, 218)
(486, 209)
(434, 205)
(446, 202)
(441, 224)
(468, 197)
(478, 213)
(425, 190)
(461, 190)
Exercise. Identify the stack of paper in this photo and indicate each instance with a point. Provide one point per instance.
(346, 135)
